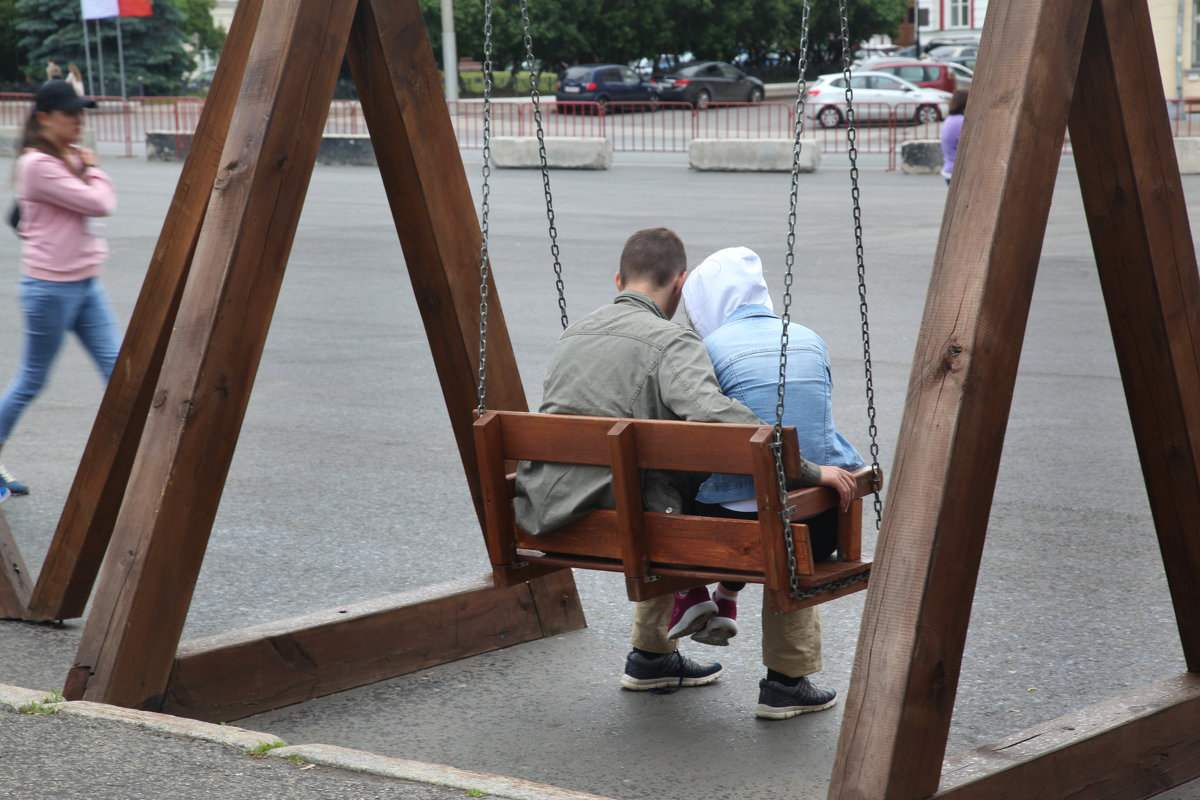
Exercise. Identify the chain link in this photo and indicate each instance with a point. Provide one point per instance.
(851, 136)
(485, 265)
(785, 513)
(833, 586)
(541, 138)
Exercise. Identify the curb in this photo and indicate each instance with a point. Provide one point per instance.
(14, 698)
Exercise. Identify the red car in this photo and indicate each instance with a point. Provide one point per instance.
(928, 74)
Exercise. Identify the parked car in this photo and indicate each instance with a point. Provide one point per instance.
(703, 82)
(957, 53)
(877, 95)
(928, 74)
(963, 74)
(604, 84)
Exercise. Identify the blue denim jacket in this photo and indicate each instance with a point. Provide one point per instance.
(745, 355)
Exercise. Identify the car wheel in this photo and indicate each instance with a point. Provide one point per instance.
(829, 117)
(927, 114)
(756, 95)
(702, 99)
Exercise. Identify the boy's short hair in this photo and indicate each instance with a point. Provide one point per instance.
(655, 255)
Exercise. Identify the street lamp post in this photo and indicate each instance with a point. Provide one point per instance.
(449, 50)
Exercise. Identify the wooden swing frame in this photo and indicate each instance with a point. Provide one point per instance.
(178, 401)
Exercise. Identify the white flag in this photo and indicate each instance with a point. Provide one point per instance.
(101, 9)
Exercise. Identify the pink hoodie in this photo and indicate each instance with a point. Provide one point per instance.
(60, 241)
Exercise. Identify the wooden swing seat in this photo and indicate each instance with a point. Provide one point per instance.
(657, 552)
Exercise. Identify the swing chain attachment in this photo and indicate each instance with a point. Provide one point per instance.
(852, 149)
(785, 514)
(484, 255)
(535, 95)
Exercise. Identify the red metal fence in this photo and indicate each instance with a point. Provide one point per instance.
(632, 127)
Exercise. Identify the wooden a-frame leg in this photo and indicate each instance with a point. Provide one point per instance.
(15, 585)
(403, 104)
(1138, 219)
(129, 642)
(85, 527)
(910, 647)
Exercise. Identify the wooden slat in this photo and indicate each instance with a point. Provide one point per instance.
(849, 532)
(234, 675)
(435, 216)
(556, 601)
(627, 490)
(1138, 218)
(662, 444)
(910, 646)
(1133, 746)
(128, 644)
(73, 560)
(15, 585)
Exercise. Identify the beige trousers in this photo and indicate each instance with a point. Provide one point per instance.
(791, 643)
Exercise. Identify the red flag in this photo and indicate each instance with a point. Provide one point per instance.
(107, 9)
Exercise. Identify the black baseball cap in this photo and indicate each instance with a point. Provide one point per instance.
(60, 96)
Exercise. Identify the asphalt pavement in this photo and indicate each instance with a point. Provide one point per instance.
(346, 485)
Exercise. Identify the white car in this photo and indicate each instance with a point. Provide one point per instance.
(877, 96)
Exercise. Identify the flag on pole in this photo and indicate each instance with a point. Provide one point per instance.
(107, 9)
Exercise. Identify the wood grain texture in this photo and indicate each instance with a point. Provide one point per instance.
(90, 513)
(237, 674)
(1133, 746)
(15, 585)
(1137, 216)
(128, 644)
(909, 654)
(435, 216)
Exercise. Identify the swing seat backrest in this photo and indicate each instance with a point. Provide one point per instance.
(659, 552)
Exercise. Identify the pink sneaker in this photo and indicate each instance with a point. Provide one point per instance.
(722, 627)
(692, 610)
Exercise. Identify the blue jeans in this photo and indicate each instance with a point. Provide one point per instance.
(51, 310)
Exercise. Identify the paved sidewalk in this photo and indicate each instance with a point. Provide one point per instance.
(53, 749)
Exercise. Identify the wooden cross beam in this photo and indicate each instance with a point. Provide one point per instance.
(1043, 63)
(233, 250)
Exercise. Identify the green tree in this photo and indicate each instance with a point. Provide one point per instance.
(153, 46)
(198, 25)
(11, 61)
(574, 31)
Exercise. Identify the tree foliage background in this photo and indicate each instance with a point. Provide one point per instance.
(159, 50)
(621, 31)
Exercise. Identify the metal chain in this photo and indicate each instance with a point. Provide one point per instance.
(541, 138)
(484, 257)
(851, 137)
(785, 513)
(834, 586)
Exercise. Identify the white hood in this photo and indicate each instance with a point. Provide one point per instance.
(723, 283)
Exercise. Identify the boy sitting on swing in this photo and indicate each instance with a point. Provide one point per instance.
(627, 359)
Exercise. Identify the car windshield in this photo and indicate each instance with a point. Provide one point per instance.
(577, 74)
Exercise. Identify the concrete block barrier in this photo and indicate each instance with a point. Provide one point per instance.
(346, 149)
(752, 155)
(1187, 152)
(921, 156)
(562, 152)
(168, 145)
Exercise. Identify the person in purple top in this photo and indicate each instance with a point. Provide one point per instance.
(951, 130)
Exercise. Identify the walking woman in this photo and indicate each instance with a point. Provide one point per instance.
(60, 191)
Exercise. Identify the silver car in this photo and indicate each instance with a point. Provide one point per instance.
(877, 97)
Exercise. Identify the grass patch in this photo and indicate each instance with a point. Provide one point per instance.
(47, 705)
(265, 748)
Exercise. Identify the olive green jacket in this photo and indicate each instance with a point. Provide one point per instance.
(623, 360)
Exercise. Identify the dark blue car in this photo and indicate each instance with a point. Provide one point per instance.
(605, 84)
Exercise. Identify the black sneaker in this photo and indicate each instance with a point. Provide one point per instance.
(12, 484)
(670, 671)
(776, 701)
